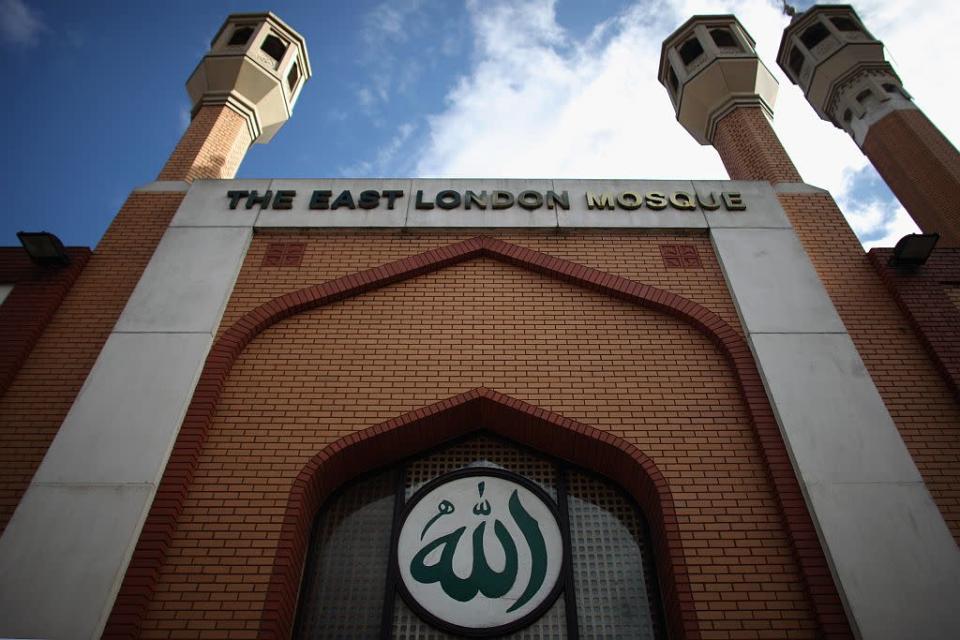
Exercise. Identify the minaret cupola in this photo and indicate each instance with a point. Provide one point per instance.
(710, 67)
(257, 65)
(841, 69)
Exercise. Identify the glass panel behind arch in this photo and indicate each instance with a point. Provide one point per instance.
(609, 561)
(346, 576)
(482, 451)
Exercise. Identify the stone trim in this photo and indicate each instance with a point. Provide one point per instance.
(236, 103)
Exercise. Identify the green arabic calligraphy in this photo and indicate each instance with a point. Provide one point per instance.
(483, 579)
(444, 508)
(538, 550)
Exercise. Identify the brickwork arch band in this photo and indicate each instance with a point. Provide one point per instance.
(493, 412)
(137, 589)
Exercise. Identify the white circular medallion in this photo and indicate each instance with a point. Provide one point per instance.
(480, 550)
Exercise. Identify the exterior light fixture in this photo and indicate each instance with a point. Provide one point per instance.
(913, 249)
(43, 247)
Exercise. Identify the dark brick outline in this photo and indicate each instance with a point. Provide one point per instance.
(920, 295)
(36, 296)
(138, 584)
(491, 411)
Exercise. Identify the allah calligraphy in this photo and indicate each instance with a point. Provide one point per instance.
(480, 550)
(492, 584)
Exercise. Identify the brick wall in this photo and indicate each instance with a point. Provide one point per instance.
(39, 396)
(212, 147)
(750, 149)
(953, 294)
(633, 372)
(922, 405)
(930, 299)
(922, 168)
(37, 294)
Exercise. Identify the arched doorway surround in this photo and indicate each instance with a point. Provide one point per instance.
(478, 410)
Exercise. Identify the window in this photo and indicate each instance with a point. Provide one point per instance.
(672, 78)
(293, 76)
(690, 50)
(724, 39)
(796, 61)
(240, 36)
(814, 35)
(355, 581)
(274, 47)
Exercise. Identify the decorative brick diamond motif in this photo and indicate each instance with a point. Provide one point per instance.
(283, 254)
(680, 256)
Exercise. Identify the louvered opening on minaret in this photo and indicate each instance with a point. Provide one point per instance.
(724, 39)
(293, 76)
(241, 36)
(796, 61)
(274, 47)
(690, 51)
(814, 35)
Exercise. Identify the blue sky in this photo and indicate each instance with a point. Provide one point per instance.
(412, 88)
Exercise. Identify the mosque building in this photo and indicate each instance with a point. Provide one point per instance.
(525, 408)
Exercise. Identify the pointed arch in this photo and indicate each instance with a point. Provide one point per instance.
(478, 409)
(138, 584)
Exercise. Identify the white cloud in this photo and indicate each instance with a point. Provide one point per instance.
(878, 223)
(365, 97)
(385, 27)
(386, 156)
(538, 102)
(184, 116)
(19, 24)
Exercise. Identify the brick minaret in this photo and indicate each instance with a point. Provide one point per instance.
(243, 91)
(843, 73)
(724, 96)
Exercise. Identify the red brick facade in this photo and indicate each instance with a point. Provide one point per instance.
(750, 149)
(928, 297)
(632, 363)
(621, 351)
(37, 294)
(212, 147)
(922, 168)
